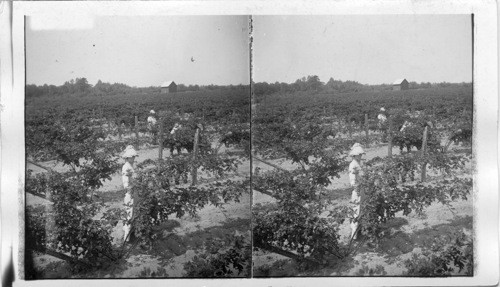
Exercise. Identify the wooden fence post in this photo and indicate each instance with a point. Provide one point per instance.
(349, 127)
(366, 130)
(194, 167)
(389, 138)
(424, 147)
(160, 144)
(119, 126)
(136, 130)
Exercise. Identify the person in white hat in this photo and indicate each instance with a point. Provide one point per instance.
(382, 119)
(354, 174)
(152, 125)
(152, 118)
(129, 155)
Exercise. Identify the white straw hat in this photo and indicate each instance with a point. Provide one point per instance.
(129, 152)
(152, 111)
(356, 149)
(382, 109)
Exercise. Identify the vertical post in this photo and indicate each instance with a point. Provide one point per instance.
(389, 138)
(136, 130)
(366, 130)
(119, 126)
(349, 127)
(194, 167)
(424, 147)
(160, 143)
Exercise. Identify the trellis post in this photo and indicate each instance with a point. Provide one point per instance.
(349, 127)
(160, 143)
(424, 147)
(366, 130)
(136, 130)
(389, 138)
(194, 167)
(119, 126)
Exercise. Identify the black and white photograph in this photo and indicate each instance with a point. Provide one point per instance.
(222, 143)
(137, 147)
(362, 153)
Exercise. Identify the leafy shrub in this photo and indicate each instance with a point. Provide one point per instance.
(221, 261)
(443, 258)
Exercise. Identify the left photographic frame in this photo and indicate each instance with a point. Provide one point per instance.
(137, 146)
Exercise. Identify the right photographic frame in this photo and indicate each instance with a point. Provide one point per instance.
(362, 145)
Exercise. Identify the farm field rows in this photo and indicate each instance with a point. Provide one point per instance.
(408, 234)
(196, 212)
(180, 216)
(182, 236)
(416, 201)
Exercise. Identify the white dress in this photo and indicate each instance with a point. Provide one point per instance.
(354, 173)
(127, 173)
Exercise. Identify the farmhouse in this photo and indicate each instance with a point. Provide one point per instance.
(168, 87)
(400, 84)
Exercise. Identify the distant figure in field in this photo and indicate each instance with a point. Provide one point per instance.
(152, 118)
(411, 132)
(128, 175)
(152, 127)
(354, 176)
(382, 123)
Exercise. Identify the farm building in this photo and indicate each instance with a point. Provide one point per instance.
(400, 84)
(168, 87)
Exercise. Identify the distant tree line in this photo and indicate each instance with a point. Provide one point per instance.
(81, 87)
(314, 84)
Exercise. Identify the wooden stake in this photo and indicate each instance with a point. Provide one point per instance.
(194, 167)
(349, 127)
(119, 131)
(389, 138)
(160, 144)
(366, 130)
(136, 129)
(424, 147)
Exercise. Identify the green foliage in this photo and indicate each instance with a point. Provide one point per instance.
(156, 199)
(303, 221)
(379, 270)
(148, 273)
(388, 186)
(222, 258)
(443, 258)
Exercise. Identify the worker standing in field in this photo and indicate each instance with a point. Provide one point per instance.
(128, 175)
(152, 128)
(382, 123)
(354, 176)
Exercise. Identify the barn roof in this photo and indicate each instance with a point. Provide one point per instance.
(398, 81)
(167, 84)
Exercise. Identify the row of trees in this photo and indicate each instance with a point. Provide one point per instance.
(81, 87)
(313, 83)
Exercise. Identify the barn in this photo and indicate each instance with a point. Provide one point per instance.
(168, 87)
(400, 84)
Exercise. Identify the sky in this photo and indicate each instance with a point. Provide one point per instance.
(138, 51)
(149, 50)
(370, 49)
